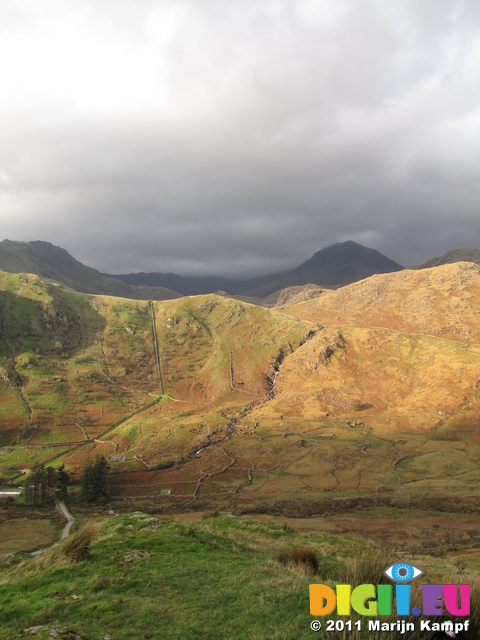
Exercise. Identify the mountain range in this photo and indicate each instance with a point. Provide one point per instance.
(349, 411)
(331, 267)
(372, 387)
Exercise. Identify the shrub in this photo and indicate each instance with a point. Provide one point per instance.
(367, 568)
(77, 546)
(302, 558)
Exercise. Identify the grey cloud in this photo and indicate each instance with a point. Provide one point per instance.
(238, 138)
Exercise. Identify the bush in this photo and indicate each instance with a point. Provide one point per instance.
(77, 546)
(300, 558)
(367, 568)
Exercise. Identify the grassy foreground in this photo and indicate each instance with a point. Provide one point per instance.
(149, 577)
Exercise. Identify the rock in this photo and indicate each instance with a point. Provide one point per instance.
(132, 555)
(45, 633)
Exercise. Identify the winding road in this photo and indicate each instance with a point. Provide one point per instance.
(66, 530)
(68, 516)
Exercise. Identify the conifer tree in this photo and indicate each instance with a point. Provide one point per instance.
(88, 483)
(51, 482)
(101, 470)
(38, 485)
(95, 480)
(62, 482)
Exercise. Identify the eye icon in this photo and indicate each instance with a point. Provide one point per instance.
(402, 572)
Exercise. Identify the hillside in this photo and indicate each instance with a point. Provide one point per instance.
(292, 295)
(149, 576)
(73, 366)
(48, 261)
(460, 254)
(440, 301)
(370, 388)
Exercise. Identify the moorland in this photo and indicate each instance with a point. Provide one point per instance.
(345, 420)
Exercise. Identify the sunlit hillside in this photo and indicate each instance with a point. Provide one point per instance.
(367, 390)
(442, 301)
(74, 366)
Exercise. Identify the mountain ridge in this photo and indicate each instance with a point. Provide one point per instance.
(333, 266)
(458, 254)
(55, 263)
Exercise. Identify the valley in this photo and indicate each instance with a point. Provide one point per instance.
(346, 421)
(369, 390)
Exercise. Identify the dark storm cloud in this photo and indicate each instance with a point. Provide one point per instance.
(239, 137)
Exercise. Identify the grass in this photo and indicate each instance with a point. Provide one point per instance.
(77, 547)
(302, 558)
(185, 581)
(145, 576)
(26, 534)
(20, 457)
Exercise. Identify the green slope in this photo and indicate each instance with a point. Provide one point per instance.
(73, 366)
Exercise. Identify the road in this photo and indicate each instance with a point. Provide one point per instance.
(66, 530)
(68, 516)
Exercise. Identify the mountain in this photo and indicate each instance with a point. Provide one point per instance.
(460, 254)
(333, 266)
(71, 365)
(344, 263)
(370, 389)
(396, 348)
(48, 261)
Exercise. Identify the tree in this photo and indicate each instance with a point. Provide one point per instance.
(62, 482)
(50, 482)
(36, 486)
(44, 483)
(95, 480)
(88, 483)
(101, 470)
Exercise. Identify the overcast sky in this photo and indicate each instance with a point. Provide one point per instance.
(238, 137)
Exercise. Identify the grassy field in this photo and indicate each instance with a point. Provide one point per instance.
(24, 534)
(148, 576)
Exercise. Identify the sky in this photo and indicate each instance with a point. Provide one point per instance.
(238, 137)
